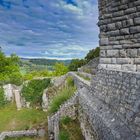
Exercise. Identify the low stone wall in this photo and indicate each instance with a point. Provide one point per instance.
(14, 134)
(69, 109)
(79, 82)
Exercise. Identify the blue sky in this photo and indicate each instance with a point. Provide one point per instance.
(60, 29)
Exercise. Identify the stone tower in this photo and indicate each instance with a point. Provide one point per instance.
(119, 23)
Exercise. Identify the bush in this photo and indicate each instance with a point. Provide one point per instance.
(60, 98)
(63, 135)
(33, 91)
(65, 120)
(70, 81)
(60, 69)
(2, 99)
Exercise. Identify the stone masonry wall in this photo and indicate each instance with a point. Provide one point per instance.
(119, 22)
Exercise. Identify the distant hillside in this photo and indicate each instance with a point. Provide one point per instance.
(48, 62)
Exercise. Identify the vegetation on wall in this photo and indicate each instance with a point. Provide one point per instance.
(2, 98)
(33, 91)
(62, 95)
(70, 129)
(77, 63)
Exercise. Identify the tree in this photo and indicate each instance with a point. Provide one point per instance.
(9, 69)
(76, 63)
(60, 69)
(92, 54)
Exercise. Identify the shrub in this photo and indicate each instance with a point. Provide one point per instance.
(2, 99)
(63, 135)
(60, 98)
(70, 81)
(60, 69)
(65, 120)
(33, 91)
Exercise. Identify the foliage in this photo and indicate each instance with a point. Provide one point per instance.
(76, 63)
(60, 69)
(65, 120)
(32, 92)
(9, 69)
(68, 127)
(2, 99)
(60, 98)
(63, 95)
(11, 119)
(63, 135)
(70, 81)
(92, 54)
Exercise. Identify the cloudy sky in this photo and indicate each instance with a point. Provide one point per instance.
(59, 29)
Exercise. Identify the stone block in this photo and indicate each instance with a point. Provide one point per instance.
(104, 41)
(138, 68)
(137, 21)
(137, 60)
(135, 29)
(112, 53)
(105, 60)
(129, 67)
(123, 53)
(111, 66)
(124, 31)
(111, 27)
(124, 61)
(102, 53)
(113, 60)
(118, 25)
(117, 46)
(132, 53)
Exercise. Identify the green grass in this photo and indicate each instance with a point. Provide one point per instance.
(60, 98)
(62, 95)
(11, 119)
(70, 129)
(84, 77)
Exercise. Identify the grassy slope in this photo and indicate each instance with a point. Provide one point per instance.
(11, 119)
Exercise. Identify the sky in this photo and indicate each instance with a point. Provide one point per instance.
(52, 29)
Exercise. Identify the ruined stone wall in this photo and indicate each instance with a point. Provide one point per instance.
(119, 23)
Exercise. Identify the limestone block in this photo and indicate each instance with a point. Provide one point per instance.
(113, 60)
(132, 53)
(111, 66)
(124, 31)
(129, 67)
(111, 27)
(112, 53)
(102, 53)
(105, 60)
(137, 60)
(118, 25)
(124, 61)
(104, 41)
(117, 46)
(130, 10)
(138, 68)
(137, 21)
(135, 29)
(123, 53)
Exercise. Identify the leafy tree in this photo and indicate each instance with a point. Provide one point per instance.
(60, 69)
(9, 69)
(92, 54)
(2, 98)
(76, 63)
(32, 92)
